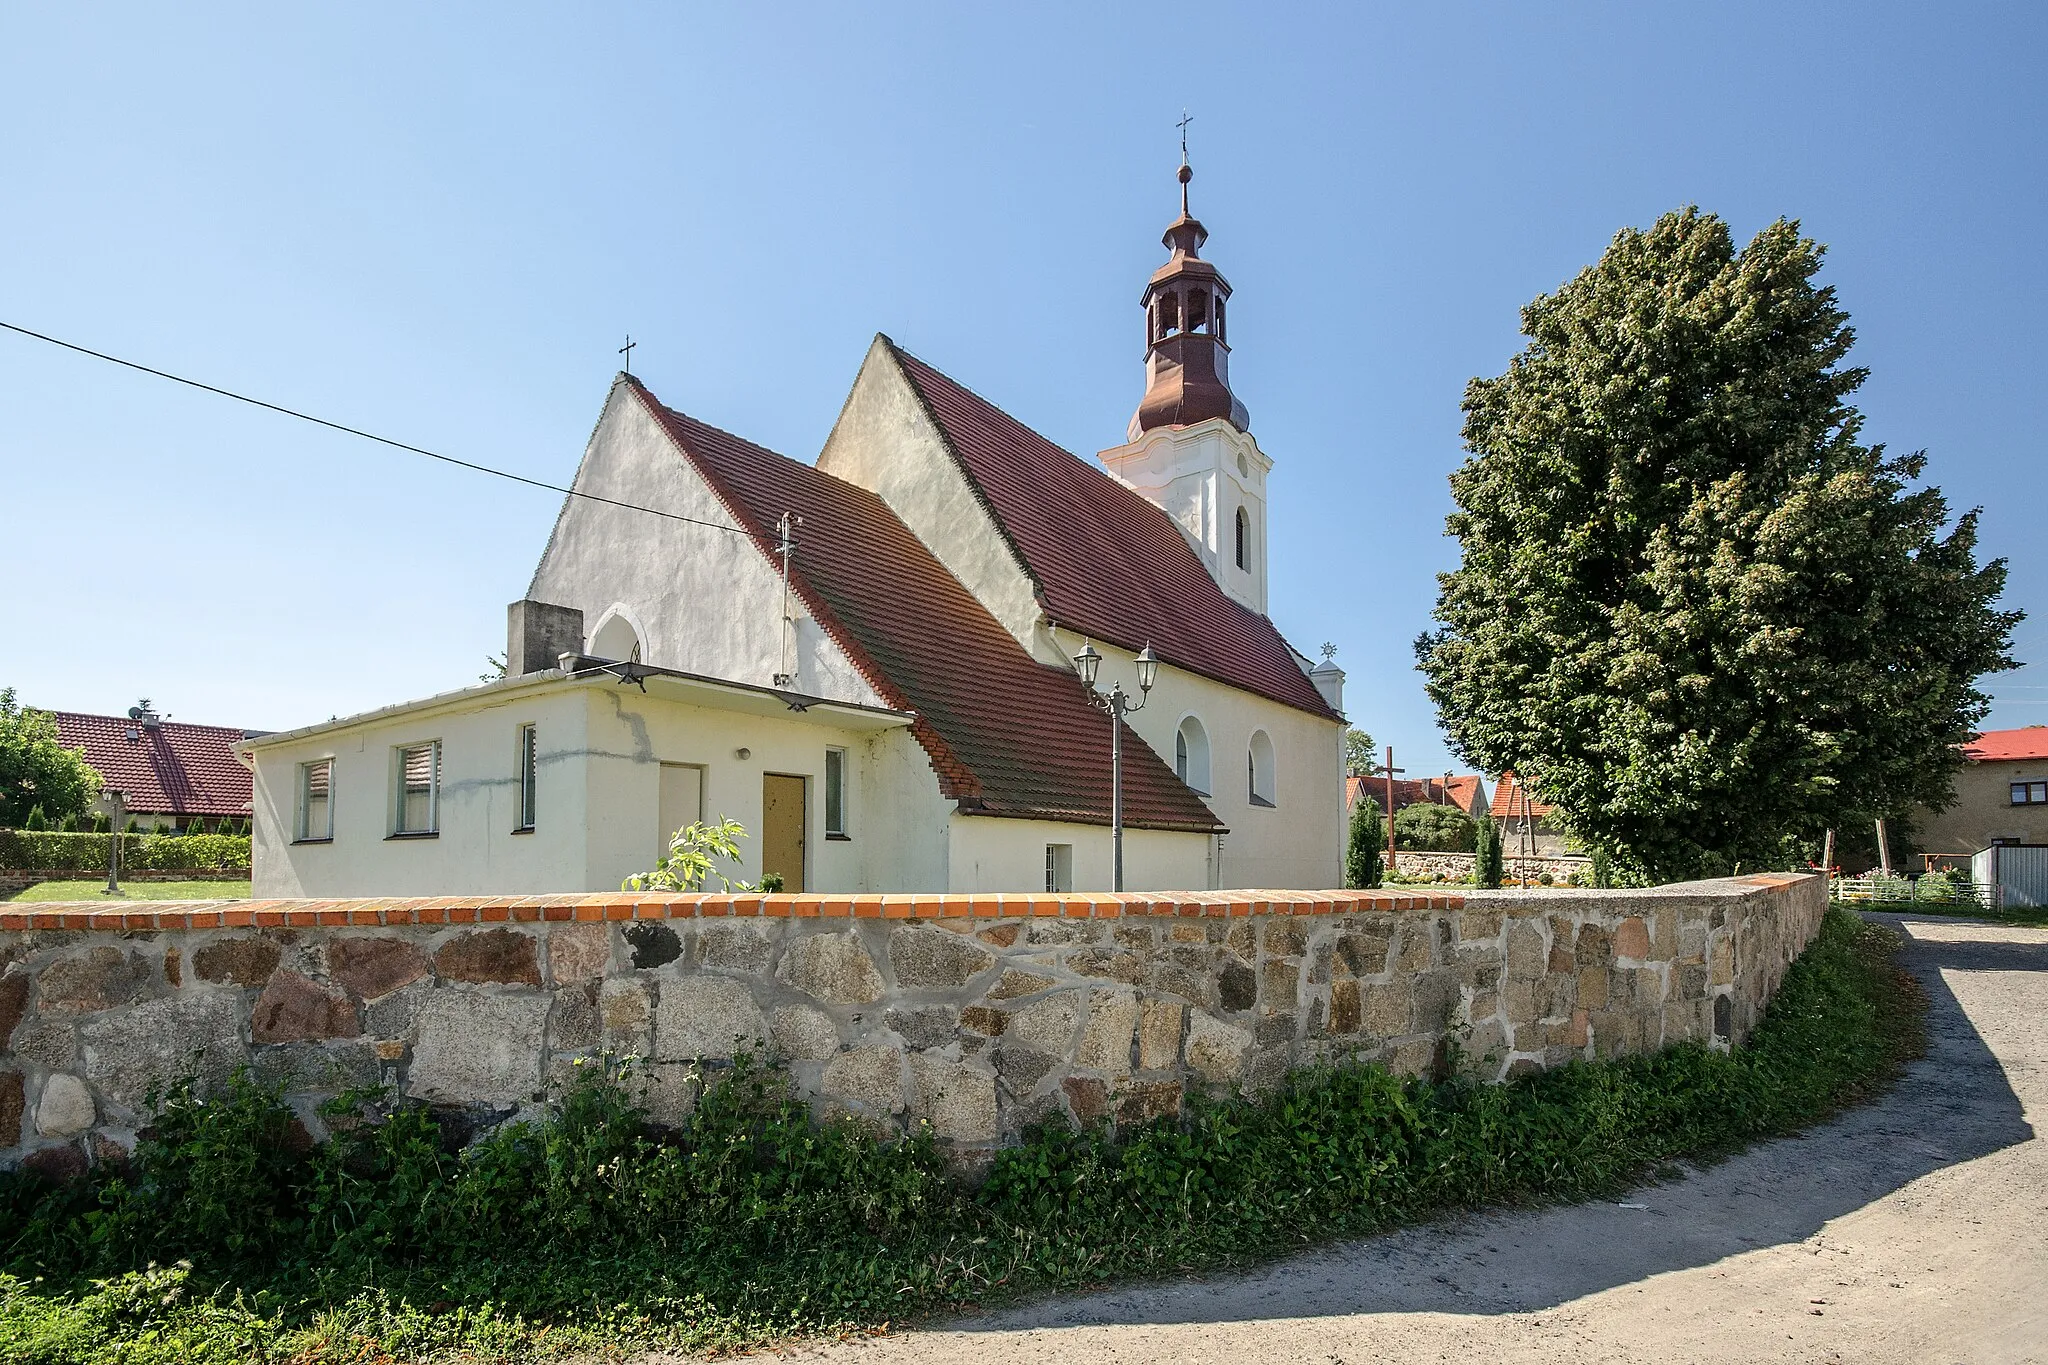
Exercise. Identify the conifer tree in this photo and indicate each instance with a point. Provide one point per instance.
(1486, 856)
(1364, 848)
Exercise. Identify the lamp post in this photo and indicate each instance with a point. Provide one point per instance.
(116, 803)
(1118, 704)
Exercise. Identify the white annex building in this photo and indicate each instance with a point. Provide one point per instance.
(867, 662)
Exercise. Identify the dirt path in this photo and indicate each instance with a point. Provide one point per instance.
(1915, 1229)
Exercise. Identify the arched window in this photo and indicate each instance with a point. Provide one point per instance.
(1259, 766)
(615, 638)
(1219, 319)
(1191, 755)
(1169, 314)
(1198, 310)
(1244, 540)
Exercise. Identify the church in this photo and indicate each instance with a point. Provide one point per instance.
(877, 664)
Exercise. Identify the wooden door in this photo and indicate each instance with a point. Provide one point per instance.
(782, 828)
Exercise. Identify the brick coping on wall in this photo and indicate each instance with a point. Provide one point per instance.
(611, 906)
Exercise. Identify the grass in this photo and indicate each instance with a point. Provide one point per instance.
(2030, 916)
(93, 889)
(589, 1236)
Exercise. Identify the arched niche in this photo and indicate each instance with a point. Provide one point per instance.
(1191, 754)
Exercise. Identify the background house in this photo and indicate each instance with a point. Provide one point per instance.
(171, 773)
(2001, 797)
(1526, 825)
(1467, 793)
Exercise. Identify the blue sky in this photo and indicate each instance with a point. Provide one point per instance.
(437, 223)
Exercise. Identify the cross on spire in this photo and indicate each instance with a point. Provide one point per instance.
(1186, 173)
(627, 351)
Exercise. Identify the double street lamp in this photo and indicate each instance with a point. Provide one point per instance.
(1118, 704)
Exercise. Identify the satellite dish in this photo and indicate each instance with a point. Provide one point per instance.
(135, 713)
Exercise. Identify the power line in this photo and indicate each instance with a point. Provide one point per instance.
(370, 435)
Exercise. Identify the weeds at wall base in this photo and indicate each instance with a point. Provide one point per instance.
(590, 1234)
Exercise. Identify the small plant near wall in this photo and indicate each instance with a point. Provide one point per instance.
(1486, 860)
(693, 857)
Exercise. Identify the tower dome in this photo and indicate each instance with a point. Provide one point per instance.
(1187, 349)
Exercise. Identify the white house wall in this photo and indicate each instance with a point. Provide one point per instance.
(702, 600)
(601, 748)
(990, 854)
(886, 442)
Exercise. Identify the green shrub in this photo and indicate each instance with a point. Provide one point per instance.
(35, 820)
(1434, 829)
(53, 851)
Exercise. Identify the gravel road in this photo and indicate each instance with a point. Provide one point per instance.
(1914, 1229)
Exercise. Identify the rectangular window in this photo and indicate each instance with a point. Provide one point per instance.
(419, 784)
(2029, 793)
(316, 801)
(1059, 867)
(835, 793)
(529, 770)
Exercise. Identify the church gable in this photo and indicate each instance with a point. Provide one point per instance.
(682, 593)
(888, 441)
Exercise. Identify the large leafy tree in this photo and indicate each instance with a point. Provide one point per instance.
(1694, 609)
(36, 770)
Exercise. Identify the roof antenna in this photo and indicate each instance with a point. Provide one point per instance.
(786, 548)
(1186, 173)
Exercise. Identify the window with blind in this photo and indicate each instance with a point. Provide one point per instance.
(529, 770)
(316, 801)
(419, 782)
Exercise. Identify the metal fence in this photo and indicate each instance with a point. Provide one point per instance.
(1920, 890)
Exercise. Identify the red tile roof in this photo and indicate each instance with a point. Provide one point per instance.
(1507, 800)
(1408, 792)
(1995, 746)
(168, 769)
(1006, 734)
(1108, 563)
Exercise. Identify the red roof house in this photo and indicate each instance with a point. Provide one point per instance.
(2009, 746)
(168, 771)
(1467, 793)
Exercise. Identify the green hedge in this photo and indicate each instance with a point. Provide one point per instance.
(49, 851)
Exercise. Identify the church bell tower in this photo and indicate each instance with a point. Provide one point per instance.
(1189, 447)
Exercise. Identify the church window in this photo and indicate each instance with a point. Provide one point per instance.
(316, 801)
(835, 794)
(615, 638)
(1198, 310)
(1059, 867)
(1219, 319)
(1244, 540)
(527, 753)
(1169, 314)
(1191, 754)
(419, 790)
(1259, 766)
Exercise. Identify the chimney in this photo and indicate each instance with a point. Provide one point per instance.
(537, 634)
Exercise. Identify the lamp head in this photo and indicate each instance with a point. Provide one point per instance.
(1148, 669)
(1086, 663)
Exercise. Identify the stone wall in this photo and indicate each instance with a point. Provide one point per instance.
(976, 1015)
(1457, 867)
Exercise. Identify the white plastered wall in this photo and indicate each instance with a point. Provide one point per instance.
(1193, 473)
(886, 442)
(991, 854)
(703, 601)
(1298, 842)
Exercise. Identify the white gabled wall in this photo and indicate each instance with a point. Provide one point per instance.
(886, 442)
(990, 854)
(1297, 842)
(702, 600)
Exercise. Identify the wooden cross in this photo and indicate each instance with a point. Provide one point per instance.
(627, 351)
(1389, 769)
